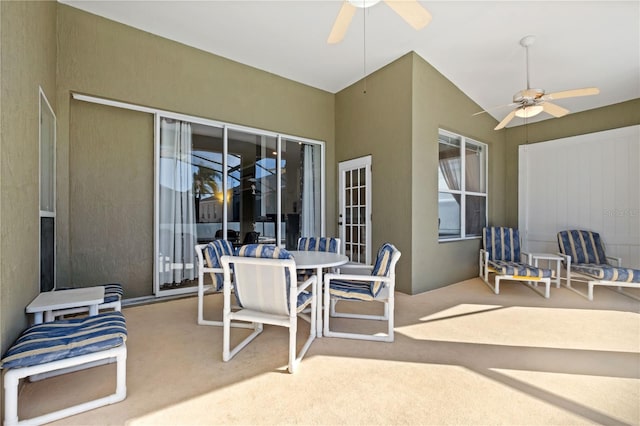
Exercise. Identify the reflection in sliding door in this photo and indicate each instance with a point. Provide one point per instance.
(253, 187)
(176, 209)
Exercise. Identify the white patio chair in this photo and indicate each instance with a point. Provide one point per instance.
(209, 256)
(585, 260)
(501, 257)
(379, 286)
(264, 279)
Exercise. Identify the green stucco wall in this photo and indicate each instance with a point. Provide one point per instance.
(378, 123)
(109, 152)
(438, 103)
(27, 61)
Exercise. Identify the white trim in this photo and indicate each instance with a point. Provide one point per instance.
(356, 163)
(189, 118)
(156, 210)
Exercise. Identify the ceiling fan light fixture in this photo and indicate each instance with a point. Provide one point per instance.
(529, 111)
(363, 4)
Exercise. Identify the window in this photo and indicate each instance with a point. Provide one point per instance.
(462, 187)
(47, 134)
(215, 180)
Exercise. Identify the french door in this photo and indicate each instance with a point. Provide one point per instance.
(355, 209)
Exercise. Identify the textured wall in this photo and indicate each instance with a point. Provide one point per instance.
(27, 60)
(378, 123)
(437, 103)
(109, 234)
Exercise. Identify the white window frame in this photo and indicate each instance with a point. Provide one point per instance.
(463, 192)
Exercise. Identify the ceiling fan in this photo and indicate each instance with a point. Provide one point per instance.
(531, 102)
(410, 10)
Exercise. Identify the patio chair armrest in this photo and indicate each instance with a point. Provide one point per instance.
(348, 277)
(565, 258)
(356, 267)
(617, 260)
(213, 270)
(306, 283)
(525, 257)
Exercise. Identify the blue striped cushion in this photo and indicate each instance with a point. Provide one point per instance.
(269, 251)
(112, 292)
(608, 273)
(351, 290)
(582, 246)
(366, 290)
(213, 252)
(501, 243)
(520, 269)
(382, 266)
(327, 244)
(62, 339)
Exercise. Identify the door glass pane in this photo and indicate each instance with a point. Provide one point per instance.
(177, 215)
(253, 189)
(207, 170)
(301, 191)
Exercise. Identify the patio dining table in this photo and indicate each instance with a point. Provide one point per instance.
(318, 260)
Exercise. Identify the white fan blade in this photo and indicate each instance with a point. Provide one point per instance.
(411, 11)
(342, 23)
(587, 91)
(506, 120)
(555, 110)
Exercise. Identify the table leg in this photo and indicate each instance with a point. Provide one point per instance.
(93, 310)
(37, 318)
(319, 298)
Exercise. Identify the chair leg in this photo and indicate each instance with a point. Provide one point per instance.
(292, 345)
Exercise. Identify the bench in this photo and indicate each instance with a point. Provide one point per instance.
(65, 345)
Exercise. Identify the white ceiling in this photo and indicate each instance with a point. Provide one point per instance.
(475, 44)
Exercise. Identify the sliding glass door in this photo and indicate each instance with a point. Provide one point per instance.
(244, 185)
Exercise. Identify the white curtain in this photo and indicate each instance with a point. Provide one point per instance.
(310, 191)
(177, 236)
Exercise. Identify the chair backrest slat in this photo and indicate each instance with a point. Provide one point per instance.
(582, 246)
(501, 243)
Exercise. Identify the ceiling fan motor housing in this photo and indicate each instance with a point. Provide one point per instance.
(528, 96)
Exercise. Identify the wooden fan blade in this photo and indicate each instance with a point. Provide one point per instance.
(587, 91)
(555, 110)
(411, 11)
(493, 108)
(341, 23)
(506, 120)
